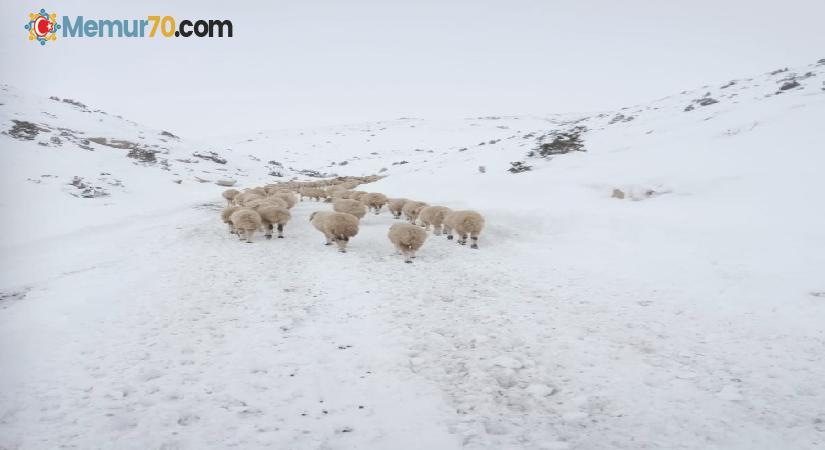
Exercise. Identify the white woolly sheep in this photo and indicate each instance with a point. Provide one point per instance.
(407, 239)
(290, 198)
(258, 190)
(226, 213)
(268, 201)
(395, 206)
(411, 210)
(374, 201)
(313, 193)
(246, 222)
(337, 227)
(464, 223)
(353, 207)
(244, 197)
(230, 195)
(433, 215)
(273, 215)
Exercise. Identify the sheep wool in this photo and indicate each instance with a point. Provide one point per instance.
(407, 239)
(290, 198)
(433, 216)
(230, 195)
(395, 205)
(259, 191)
(261, 202)
(348, 206)
(246, 221)
(274, 216)
(244, 197)
(374, 201)
(464, 223)
(411, 210)
(226, 213)
(337, 227)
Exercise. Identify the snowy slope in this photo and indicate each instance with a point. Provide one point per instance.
(687, 315)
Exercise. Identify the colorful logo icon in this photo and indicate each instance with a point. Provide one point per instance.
(42, 26)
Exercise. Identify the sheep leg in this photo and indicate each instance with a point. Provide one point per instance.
(463, 239)
(342, 244)
(437, 230)
(449, 232)
(475, 242)
(407, 257)
(412, 253)
(240, 233)
(268, 231)
(329, 240)
(249, 234)
(280, 231)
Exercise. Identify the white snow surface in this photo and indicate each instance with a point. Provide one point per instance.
(690, 318)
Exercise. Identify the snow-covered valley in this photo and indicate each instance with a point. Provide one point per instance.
(663, 288)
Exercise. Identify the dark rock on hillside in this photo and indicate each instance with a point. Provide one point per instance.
(25, 131)
(211, 156)
(86, 190)
(562, 142)
(143, 155)
(519, 167)
(138, 152)
(76, 104)
(704, 101)
(789, 85)
(620, 118)
(315, 174)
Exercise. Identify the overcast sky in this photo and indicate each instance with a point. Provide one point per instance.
(305, 63)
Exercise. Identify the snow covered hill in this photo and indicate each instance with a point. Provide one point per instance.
(661, 288)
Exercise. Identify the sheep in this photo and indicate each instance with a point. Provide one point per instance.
(464, 223)
(358, 195)
(226, 213)
(374, 201)
(258, 190)
(288, 197)
(337, 227)
(273, 215)
(395, 205)
(230, 195)
(339, 194)
(268, 201)
(433, 215)
(353, 207)
(411, 210)
(244, 197)
(407, 239)
(246, 221)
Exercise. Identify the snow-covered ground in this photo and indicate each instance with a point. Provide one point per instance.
(692, 317)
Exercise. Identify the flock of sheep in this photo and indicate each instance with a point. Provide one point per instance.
(267, 208)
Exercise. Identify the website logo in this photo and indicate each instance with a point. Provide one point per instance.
(42, 26)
